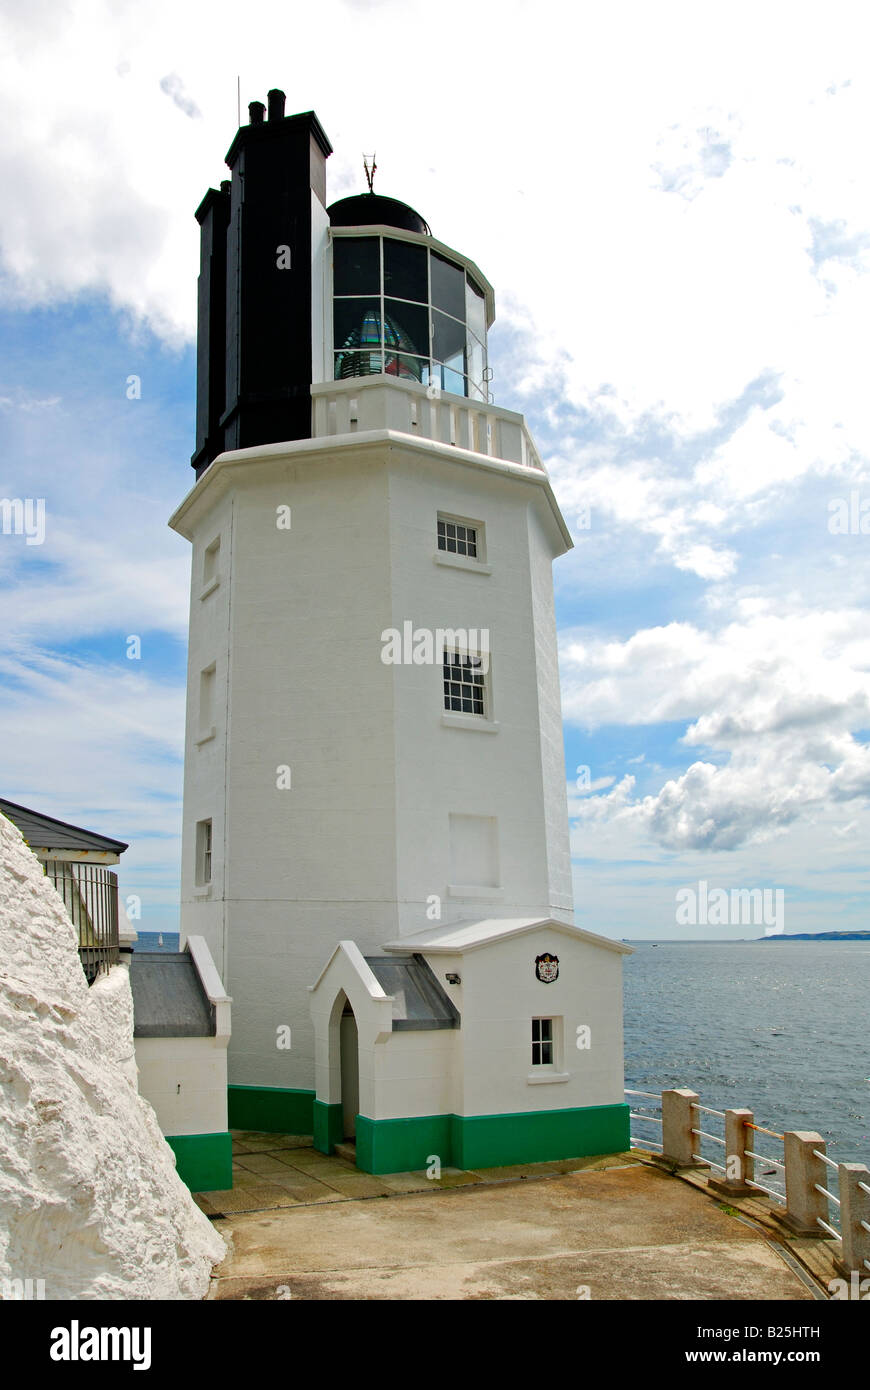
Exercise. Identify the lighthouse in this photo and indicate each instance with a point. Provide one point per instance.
(375, 833)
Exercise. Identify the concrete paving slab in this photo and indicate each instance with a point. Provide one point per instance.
(243, 1178)
(255, 1141)
(310, 1164)
(406, 1182)
(263, 1163)
(306, 1190)
(356, 1184)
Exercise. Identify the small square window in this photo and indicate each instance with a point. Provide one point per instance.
(458, 537)
(542, 1042)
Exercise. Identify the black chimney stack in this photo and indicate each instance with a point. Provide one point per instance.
(254, 329)
(276, 104)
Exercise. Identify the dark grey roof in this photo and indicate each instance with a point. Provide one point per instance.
(420, 1001)
(168, 998)
(47, 833)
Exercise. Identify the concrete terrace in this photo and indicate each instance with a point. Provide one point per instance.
(302, 1225)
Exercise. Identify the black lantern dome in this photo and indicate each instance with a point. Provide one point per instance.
(373, 209)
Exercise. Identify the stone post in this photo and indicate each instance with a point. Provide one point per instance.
(738, 1143)
(802, 1171)
(678, 1120)
(854, 1208)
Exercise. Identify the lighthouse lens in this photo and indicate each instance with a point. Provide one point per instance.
(406, 368)
(406, 326)
(358, 336)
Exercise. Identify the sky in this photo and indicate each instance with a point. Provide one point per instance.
(671, 202)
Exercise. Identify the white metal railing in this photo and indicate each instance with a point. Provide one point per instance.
(702, 1134)
(634, 1140)
(831, 1196)
(753, 1156)
(359, 404)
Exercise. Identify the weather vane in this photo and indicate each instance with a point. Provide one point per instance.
(370, 172)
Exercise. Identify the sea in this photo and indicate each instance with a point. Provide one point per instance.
(157, 941)
(778, 1027)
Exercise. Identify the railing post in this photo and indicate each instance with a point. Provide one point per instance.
(678, 1141)
(738, 1143)
(802, 1171)
(854, 1209)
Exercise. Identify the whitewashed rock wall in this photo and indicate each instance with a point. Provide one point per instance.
(90, 1202)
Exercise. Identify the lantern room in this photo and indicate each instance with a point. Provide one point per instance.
(403, 305)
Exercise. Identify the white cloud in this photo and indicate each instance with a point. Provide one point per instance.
(95, 583)
(778, 697)
(763, 672)
(173, 86)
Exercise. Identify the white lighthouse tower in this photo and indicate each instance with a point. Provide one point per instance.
(375, 835)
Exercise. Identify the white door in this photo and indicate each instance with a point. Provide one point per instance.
(349, 1074)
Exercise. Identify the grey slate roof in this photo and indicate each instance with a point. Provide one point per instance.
(45, 832)
(420, 1000)
(168, 998)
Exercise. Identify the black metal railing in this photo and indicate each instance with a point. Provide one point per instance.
(90, 895)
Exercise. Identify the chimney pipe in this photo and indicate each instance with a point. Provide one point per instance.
(276, 104)
(256, 111)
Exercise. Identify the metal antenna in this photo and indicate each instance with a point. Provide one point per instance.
(239, 100)
(370, 171)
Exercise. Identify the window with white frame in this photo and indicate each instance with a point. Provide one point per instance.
(203, 853)
(543, 1042)
(457, 537)
(464, 683)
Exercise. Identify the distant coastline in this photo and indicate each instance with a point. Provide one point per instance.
(820, 936)
(746, 940)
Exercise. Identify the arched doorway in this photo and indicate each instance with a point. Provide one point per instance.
(349, 1062)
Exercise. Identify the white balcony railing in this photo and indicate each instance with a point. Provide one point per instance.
(382, 403)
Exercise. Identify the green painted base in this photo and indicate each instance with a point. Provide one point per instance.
(397, 1146)
(203, 1161)
(328, 1126)
(271, 1109)
(490, 1141)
